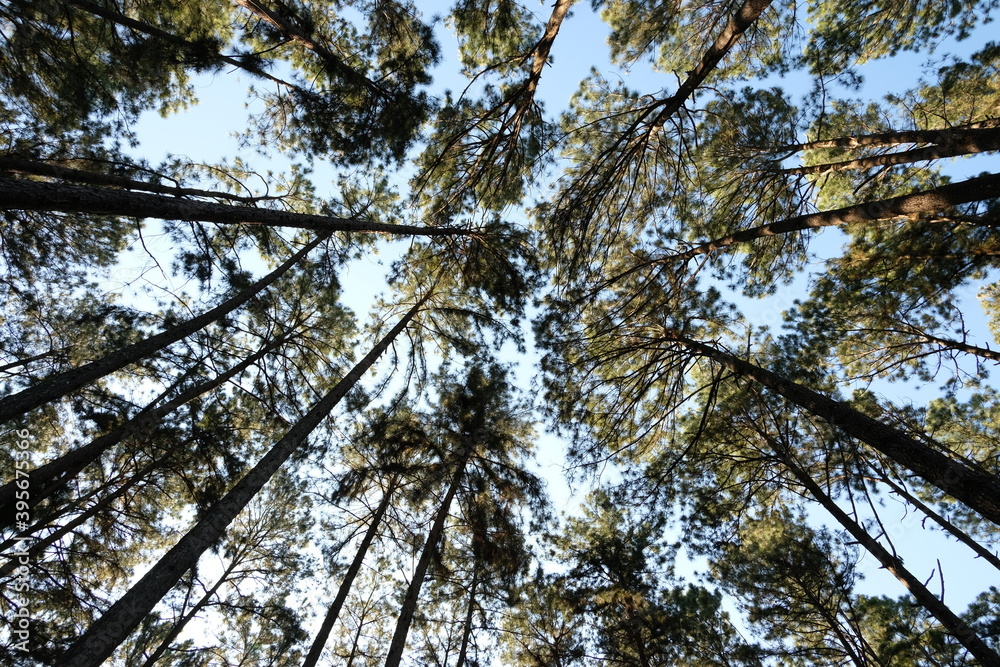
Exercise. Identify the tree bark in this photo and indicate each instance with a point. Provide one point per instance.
(316, 650)
(183, 620)
(63, 383)
(945, 196)
(431, 547)
(952, 623)
(27, 195)
(104, 635)
(745, 16)
(65, 173)
(893, 138)
(966, 143)
(470, 611)
(979, 491)
(333, 63)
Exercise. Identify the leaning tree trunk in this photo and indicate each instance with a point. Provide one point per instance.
(431, 547)
(951, 622)
(191, 613)
(980, 491)
(470, 611)
(49, 478)
(103, 636)
(928, 201)
(63, 383)
(27, 195)
(316, 650)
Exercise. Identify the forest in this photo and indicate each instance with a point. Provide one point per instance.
(298, 404)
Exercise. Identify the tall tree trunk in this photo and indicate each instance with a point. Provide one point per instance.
(745, 16)
(470, 611)
(170, 38)
(66, 173)
(26, 195)
(103, 636)
(49, 478)
(316, 650)
(951, 622)
(431, 547)
(893, 138)
(302, 35)
(967, 143)
(68, 381)
(928, 201)
(979, 491)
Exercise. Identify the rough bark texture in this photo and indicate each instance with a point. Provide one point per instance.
(101, 638)
(966, 143)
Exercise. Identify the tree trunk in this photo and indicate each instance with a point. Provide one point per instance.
(38, 546)
(945, 196)
(66, 173)
(26, 195)
(463, 649)
(103, 636)
(946, 525)
(47, 479)
(978, 490)
(316, 650)
(967, 143)
(431, 547)
(301, 35)
(883, 139)
(745, 16)
(63, 383)
(183, 620)
(170, 38)
(952, 623)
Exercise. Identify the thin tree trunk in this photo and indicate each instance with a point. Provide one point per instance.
(103, 636)
(967, 143)
(333, 63)
(979, 491)
(146, 29)
(541, 51)
(895, 138)
(944, 196)
(431, 547)
(63, 383)
(38, 546)
(316, 650)
(946, 525)
(186, 618)
(952, 623)
(49, 478)
(26, 195)
(463, 650)
(64, 173)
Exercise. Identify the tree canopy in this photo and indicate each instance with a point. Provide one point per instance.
(297, 403)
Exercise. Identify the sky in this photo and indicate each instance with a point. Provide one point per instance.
(203, 133)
